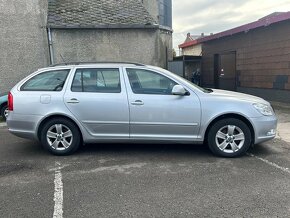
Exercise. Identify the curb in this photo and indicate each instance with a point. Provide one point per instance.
(3, 124)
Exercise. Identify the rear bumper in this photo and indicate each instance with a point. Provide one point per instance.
(23, 134)
(265, 128)
(23, 126)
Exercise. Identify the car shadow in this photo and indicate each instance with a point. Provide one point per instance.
(30, 147)
(267, 148)
(146, 149)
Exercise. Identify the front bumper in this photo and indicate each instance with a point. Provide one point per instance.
(265, 128)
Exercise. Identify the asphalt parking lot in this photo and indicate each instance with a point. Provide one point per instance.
(112, 180)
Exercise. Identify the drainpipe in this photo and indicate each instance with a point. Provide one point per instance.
(50, 46)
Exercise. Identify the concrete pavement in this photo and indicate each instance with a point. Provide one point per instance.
(112, 180)
(283, 113)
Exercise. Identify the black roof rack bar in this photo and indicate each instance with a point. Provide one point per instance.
(101, 62)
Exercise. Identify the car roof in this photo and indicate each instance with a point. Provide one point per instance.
(93, 64)
(97, 63)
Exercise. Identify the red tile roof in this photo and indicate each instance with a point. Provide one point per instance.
(265, 21)
(189, 43)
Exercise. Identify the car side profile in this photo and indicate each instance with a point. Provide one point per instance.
(64, 106)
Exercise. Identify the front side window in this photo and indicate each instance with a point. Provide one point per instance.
(46, 81)
(148, 82)
(97, 80)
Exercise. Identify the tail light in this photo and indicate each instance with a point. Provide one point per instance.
(10, 101)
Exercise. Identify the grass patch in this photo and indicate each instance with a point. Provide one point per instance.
(1, 120)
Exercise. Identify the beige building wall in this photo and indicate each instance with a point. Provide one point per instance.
(195, 50)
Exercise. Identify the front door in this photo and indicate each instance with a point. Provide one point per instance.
(98, 99)
(157, 114)
(227, 71)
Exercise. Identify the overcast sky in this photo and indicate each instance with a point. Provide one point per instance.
(213, 16)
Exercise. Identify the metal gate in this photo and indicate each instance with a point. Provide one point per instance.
(176, 67)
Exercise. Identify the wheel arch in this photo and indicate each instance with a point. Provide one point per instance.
(231, 115)
(42, 123)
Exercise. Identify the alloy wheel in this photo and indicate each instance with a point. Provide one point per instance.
(230, 139)
(59, 137)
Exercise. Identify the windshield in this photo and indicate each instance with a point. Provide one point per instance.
(187, 82)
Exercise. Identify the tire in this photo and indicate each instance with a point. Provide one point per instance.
(60, 136)
(4, 112)
(229, 137)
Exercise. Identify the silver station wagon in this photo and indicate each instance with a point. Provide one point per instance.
(65, 106)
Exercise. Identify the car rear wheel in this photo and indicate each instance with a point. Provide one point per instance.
(60, 136)
(4, 112)
(229, 137)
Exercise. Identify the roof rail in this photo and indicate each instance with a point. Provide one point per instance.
(100, 62)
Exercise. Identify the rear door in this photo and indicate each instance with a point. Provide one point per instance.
(97, 98)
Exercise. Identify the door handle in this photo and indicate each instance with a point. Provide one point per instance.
(73, 101)
(137, 102)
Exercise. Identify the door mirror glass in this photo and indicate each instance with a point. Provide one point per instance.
(178, 90)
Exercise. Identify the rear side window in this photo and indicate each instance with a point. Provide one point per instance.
(46, 81)
(97, 80)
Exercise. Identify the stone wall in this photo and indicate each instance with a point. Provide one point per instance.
(146, 46)
(23, 44)
(152, 7)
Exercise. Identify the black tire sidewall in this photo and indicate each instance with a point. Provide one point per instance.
(75, 131)
(224, 122)
(3, 108)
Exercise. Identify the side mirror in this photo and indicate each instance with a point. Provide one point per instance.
(178, 90)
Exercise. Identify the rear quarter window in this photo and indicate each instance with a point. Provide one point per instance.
(46, 81)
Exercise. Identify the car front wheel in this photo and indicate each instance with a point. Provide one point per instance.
(229, 137)
(60, 136)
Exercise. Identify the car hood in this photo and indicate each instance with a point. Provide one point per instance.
(238, 95)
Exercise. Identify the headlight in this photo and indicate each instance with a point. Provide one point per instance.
(264, 109)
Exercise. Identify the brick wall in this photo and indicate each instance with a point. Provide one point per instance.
(262, 57)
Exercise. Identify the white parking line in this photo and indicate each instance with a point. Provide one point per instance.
(58, 192)
(284, 169)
